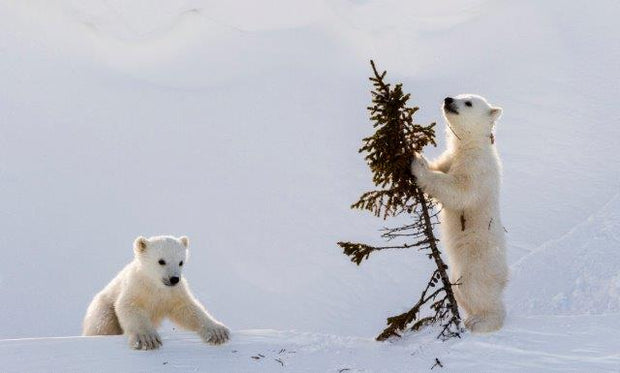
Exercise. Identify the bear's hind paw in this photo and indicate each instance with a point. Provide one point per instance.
(481, 324)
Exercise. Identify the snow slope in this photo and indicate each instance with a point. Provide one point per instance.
(535, 344)
(237, 123)
(581, 270)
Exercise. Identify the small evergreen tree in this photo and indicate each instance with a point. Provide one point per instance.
(389, 152)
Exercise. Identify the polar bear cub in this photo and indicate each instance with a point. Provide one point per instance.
(146, 291)
(465, 180)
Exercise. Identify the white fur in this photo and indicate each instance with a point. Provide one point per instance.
(465, 179)
(142, 295)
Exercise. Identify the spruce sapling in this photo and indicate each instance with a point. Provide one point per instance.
(389, 152)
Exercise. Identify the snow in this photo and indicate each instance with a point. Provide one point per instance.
(535, 344)
(586, 281)
(237, 123)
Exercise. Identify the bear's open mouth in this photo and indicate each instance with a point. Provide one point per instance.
(450, 108)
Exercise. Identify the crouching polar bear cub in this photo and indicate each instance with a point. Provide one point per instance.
(465, 180)
(147, 290)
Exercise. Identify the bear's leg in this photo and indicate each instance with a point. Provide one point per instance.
(451, 191)
(461, 300)
(101, 319)
(136, 324)
(443, 163)
(479, 319)
(191, 315)
(487, 321)
(484, 307)
(460, 292)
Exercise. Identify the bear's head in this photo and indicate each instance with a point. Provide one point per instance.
(470, 116)
(162, 257)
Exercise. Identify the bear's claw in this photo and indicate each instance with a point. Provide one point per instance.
(215, 334)
(145, 341)
(419, 164)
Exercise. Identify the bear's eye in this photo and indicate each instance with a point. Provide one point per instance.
(162, 262)
(181, 263)
(468, 103)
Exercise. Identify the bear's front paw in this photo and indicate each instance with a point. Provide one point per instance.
(419, 165)
(215, 334)
(145, 341)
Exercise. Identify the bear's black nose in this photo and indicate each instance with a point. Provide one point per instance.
(174, 280)
(448, 100)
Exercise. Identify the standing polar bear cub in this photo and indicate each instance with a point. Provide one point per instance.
(465, 179)
(146, 291)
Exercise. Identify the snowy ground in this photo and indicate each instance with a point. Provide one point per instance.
(535, 344)
(237, 123)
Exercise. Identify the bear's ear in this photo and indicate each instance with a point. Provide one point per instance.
(495, 113)
(185, 241)
(140, 244)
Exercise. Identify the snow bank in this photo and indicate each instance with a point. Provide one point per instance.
(537, 344)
